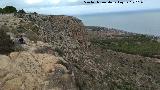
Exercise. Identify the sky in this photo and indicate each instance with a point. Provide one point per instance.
(78, 7)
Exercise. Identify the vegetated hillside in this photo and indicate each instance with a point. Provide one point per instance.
(138, 44)
(111, 47)
(85, 66)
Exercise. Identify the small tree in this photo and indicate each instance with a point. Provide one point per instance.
(9, 9)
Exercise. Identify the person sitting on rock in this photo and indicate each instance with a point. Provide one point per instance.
(21, 40)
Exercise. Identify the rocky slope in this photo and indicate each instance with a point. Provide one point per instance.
(30, 71)
(33, 69)
(59, 56)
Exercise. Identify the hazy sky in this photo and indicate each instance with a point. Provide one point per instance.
(78, 7)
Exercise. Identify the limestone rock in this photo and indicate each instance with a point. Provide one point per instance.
(29, 71)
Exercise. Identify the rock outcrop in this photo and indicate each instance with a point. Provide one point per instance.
(30, 71)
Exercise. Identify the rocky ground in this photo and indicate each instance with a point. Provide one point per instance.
(33, 69)
(58, 56)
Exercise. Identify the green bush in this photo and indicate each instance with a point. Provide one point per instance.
(6, 44)
(9, 9)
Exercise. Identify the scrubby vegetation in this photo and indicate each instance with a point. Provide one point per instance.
(32, 36)
(11, 9)
(8, 9)
(44, 49)
(6, 44)
(21, 11)
(135, 44)
(59, 51)
(126, 72)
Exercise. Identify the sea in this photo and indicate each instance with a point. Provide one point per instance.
(143, 22)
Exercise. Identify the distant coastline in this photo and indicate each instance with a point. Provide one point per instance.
(143, 22)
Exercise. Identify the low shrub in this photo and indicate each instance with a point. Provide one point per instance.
(32, 36)
(44, 49)
(59, 51)
(6, 44)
